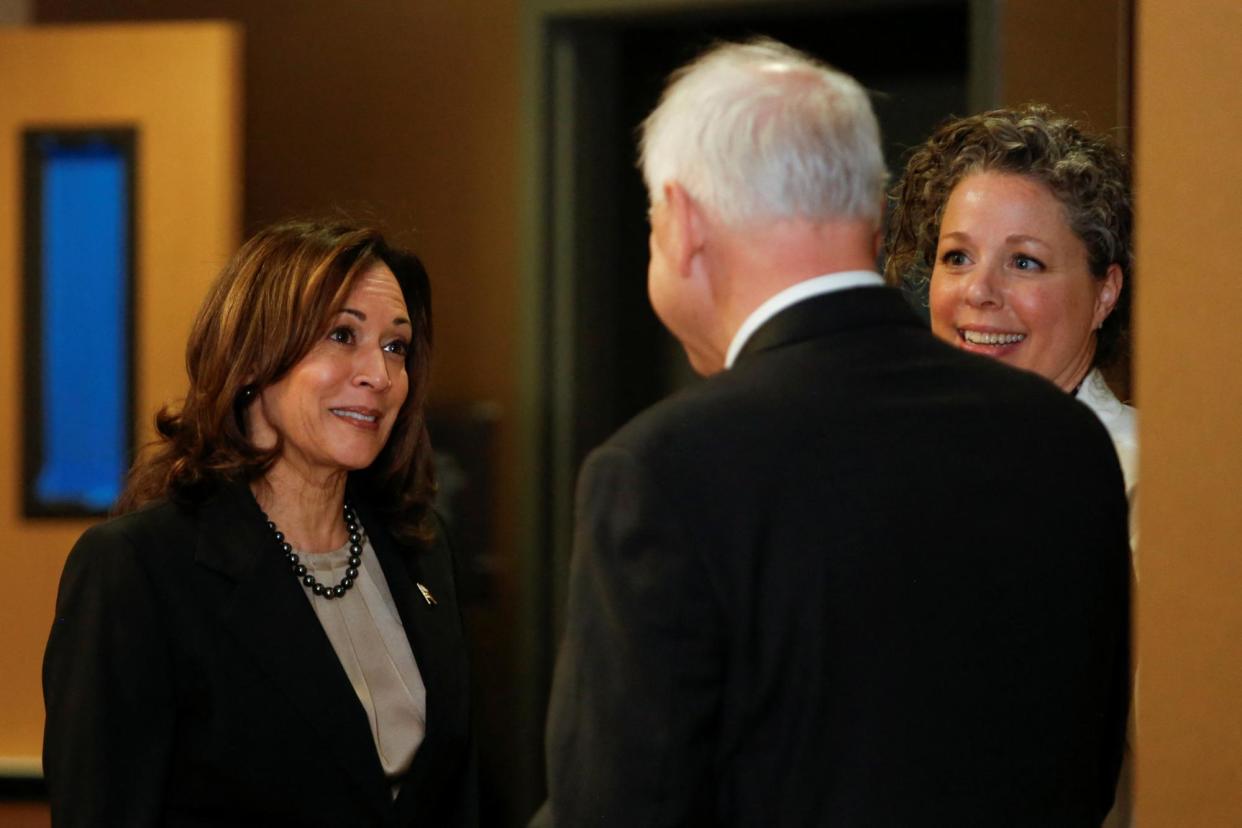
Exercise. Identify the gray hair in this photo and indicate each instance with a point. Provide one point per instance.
(759, 130)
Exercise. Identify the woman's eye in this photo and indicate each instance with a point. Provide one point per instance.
(398, 346)
(1027, 263)
(954, 258)
(342, 334)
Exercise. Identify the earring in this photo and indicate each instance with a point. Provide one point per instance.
(247, 394)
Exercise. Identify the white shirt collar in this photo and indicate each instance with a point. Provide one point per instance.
(793, 294)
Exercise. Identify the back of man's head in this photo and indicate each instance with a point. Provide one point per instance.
(759, 132)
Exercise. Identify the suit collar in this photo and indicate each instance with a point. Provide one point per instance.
(795, 293)
(271, 618)
(830, 313)
(233, 530)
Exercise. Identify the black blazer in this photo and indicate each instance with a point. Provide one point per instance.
(860, 579)
(188, 682)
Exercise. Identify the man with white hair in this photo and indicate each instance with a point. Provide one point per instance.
(856, 577)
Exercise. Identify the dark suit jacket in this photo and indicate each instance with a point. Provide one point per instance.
(860, 579)
(188, 682)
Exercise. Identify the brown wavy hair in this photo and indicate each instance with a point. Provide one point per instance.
(1086, 173)
(274, 300)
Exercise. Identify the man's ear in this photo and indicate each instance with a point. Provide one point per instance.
(686, 228)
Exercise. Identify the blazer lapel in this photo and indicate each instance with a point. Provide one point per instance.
(271, 618)
(434, 633)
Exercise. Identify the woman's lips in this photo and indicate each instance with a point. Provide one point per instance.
(366, 419)
(992, 343)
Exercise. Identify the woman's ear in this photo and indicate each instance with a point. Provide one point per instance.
(253, 415)
(1108, 294)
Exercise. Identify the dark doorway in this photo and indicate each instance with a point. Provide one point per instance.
(914, 61)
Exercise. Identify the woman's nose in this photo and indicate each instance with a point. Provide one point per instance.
(372, 370)
(983, 288)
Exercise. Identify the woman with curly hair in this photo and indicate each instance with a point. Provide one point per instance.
(268, 633)
(1017, 222)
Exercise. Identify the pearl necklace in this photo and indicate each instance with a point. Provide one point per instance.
(300, 571)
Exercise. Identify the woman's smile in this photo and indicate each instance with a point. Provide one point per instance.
(363, 418)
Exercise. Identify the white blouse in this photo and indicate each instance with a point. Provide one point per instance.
(1121, 421)
(366, 632)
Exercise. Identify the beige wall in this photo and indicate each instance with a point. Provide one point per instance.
(14, 12)
(400, 111)
(1189, 385)
(178, 85)
(1071, 54)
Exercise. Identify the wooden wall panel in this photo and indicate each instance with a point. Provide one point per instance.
(1071, 54)
(1189, 386)
(180, 85)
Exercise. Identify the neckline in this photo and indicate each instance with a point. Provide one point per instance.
(332, 559)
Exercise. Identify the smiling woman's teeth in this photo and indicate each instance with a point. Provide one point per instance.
(980, 338)
(354, 415)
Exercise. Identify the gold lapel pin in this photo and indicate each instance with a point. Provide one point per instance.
(427, 596)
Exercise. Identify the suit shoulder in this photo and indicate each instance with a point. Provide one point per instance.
(691, 412)
(134, 537)
(1005, 383)
(157, 517)
(1048, 412)
(440, 549)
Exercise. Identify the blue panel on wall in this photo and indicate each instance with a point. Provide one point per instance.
(83, 365)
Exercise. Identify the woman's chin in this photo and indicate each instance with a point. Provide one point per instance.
(356, 451)
(356, 462)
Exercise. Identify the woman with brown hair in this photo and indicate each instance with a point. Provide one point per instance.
(268, 634)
